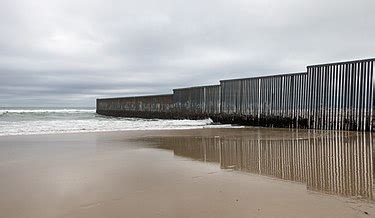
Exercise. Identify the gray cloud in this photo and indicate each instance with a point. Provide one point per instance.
(67, 53)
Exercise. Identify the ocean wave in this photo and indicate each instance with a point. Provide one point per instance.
(22, 111)
(27, 121)
(99, 125)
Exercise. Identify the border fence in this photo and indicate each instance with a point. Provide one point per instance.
(334, 96)
(197, 102)
(152, 106)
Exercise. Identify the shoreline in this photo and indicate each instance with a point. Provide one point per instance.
(221, 126)
(179, 173)
(127, 130)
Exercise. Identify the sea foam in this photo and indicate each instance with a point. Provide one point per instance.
(48, 121)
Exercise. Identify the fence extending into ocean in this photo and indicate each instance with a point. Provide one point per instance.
(333, 96)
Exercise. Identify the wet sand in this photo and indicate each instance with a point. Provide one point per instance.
(252, 172)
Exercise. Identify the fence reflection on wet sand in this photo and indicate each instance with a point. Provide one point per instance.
(331, 162)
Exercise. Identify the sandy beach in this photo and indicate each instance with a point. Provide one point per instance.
(249, 172)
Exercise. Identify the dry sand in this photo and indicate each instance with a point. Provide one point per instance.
(162, 174)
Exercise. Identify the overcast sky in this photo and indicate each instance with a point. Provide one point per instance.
(69, 52)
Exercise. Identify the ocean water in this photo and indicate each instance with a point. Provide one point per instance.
(26, 121)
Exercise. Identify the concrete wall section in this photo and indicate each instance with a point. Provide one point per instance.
(155, 106)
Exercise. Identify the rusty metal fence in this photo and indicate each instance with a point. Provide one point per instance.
(204, 100)
(272, 100)
(328, 96)
(341, 95)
